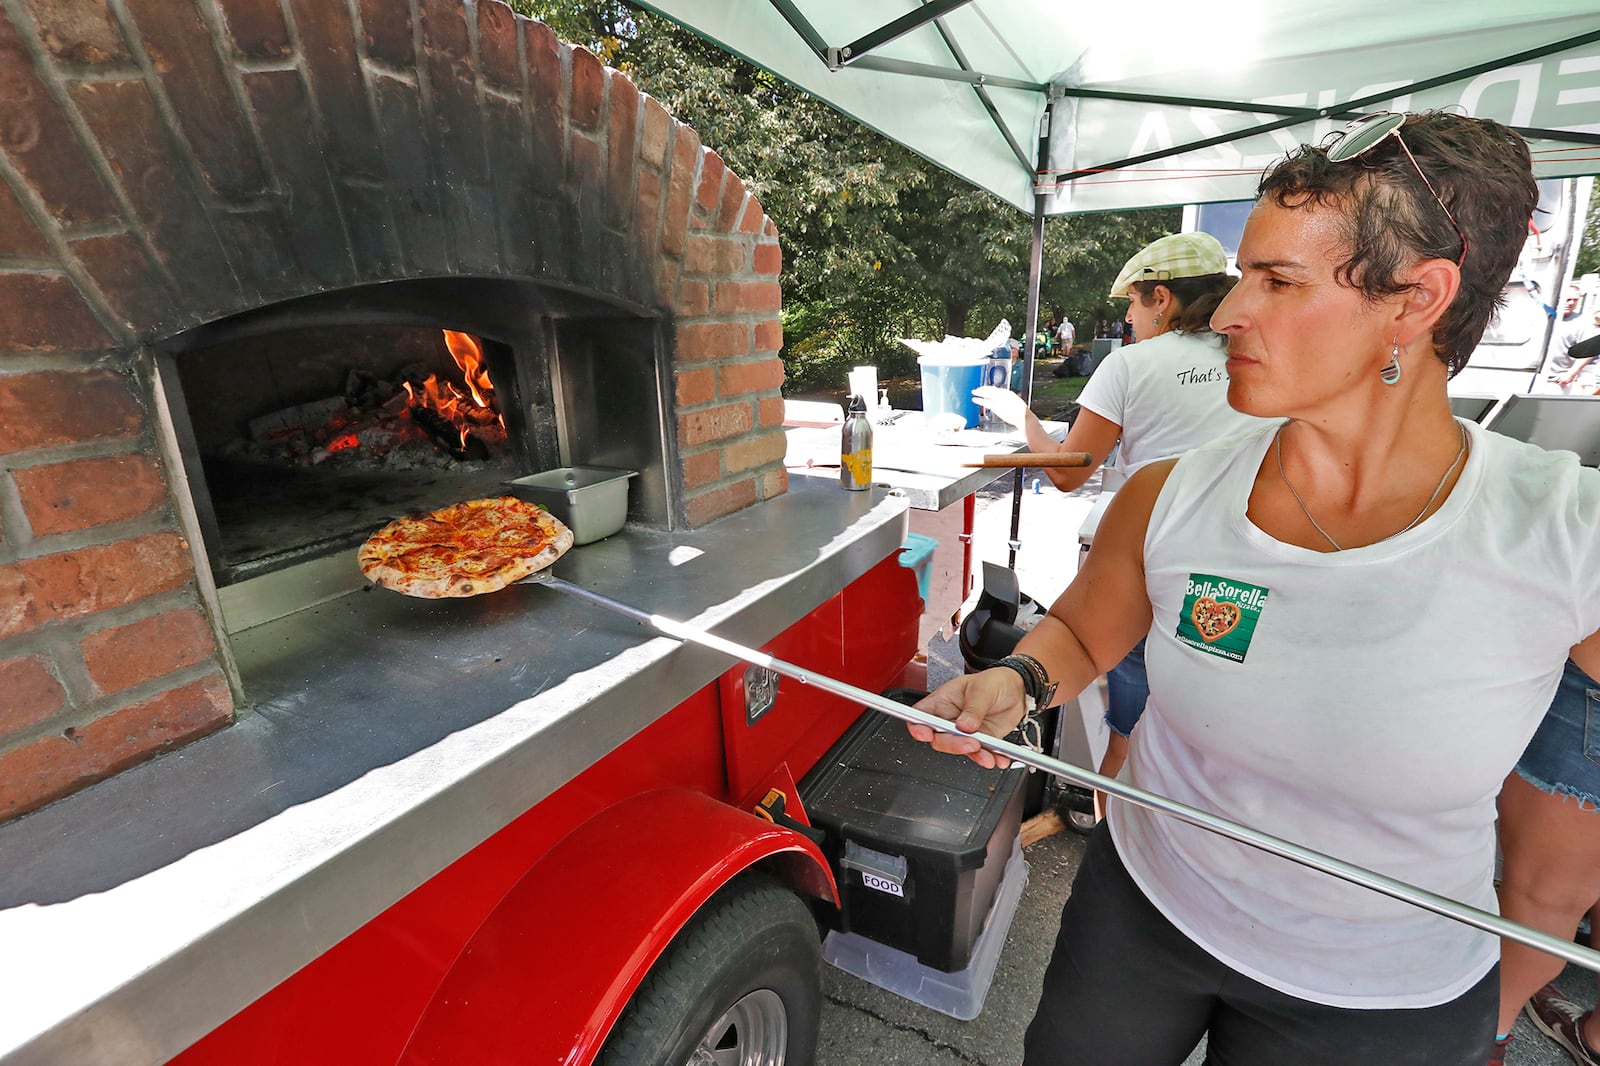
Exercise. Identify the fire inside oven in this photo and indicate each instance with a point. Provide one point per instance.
(310, 439)
(304, 427)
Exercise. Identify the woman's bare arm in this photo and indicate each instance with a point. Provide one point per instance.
(1089, 432)
(1586, 654)
(1092, 433)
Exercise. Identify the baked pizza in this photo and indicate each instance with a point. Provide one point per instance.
(464, 549)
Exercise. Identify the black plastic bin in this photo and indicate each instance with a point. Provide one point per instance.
(918, 839)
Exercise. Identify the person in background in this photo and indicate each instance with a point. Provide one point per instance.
(1572, 327)
(1550, 842)
(1582, 374)
(1357, 616)
(1066, 336)
(1158, 398)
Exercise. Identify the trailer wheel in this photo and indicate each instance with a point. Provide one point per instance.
(740, 985)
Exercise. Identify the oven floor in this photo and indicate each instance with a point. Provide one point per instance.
(270, 517)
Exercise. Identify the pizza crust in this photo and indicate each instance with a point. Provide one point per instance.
(466, 549)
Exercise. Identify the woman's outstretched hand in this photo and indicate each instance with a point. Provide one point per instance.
(1006, 404)
(990, 702)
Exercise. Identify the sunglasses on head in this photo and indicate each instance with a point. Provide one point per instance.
(1364, 134)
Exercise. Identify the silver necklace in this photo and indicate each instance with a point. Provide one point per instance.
(1277, 446)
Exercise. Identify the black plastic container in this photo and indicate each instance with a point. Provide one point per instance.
(918, 839)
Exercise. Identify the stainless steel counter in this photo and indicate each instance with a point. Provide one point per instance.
(388, 737)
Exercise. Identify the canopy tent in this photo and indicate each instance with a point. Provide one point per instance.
(1060, 107)
(1169, 102)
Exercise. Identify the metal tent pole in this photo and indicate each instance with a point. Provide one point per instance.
(1035, 273)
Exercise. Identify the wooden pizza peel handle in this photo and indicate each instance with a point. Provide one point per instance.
(1036, 459)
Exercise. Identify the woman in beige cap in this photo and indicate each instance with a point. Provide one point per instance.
(1160, 397)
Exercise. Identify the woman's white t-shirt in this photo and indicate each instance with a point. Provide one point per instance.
(1365, 703)
(1168, 393)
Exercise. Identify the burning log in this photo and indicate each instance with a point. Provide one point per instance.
(365, 390)
(443, 431)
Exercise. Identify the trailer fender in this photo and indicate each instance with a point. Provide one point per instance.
(546, 975)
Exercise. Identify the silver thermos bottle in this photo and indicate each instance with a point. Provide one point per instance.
(855, 447)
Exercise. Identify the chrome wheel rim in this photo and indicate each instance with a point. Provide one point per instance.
(754, 1032)
(1082, 820)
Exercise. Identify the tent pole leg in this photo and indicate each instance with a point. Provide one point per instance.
(1035, 273)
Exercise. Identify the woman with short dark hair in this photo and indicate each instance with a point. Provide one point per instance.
(1356, 617)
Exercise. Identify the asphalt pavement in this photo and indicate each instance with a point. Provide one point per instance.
(863, 1025)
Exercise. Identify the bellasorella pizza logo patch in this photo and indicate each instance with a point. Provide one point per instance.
(1220, 615)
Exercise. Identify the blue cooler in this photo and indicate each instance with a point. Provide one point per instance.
(947, 386)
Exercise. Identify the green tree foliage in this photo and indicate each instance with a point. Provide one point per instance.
(878, 243)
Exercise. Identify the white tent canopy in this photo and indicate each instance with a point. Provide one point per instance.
(1166, 102)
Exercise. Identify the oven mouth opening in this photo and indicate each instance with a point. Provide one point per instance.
(303, 427)
(352, 426)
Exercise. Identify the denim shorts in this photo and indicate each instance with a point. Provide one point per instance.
(1128, 690)
(1564, 755)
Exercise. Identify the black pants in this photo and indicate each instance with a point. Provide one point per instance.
(1125, 987)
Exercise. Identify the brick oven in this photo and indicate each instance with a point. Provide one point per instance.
(215, 210)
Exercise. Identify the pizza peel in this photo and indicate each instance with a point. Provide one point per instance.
(1018, 754)
(1024, 756)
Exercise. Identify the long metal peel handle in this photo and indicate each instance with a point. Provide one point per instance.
(1316, 860)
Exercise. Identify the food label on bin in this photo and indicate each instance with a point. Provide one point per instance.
(1220, 614)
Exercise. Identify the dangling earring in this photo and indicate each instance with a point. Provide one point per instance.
(1390, 374)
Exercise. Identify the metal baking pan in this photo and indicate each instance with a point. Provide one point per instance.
(591, 500)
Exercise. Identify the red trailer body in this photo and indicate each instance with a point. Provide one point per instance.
(527, 948)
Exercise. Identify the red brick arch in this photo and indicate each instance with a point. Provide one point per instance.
(170, 163)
